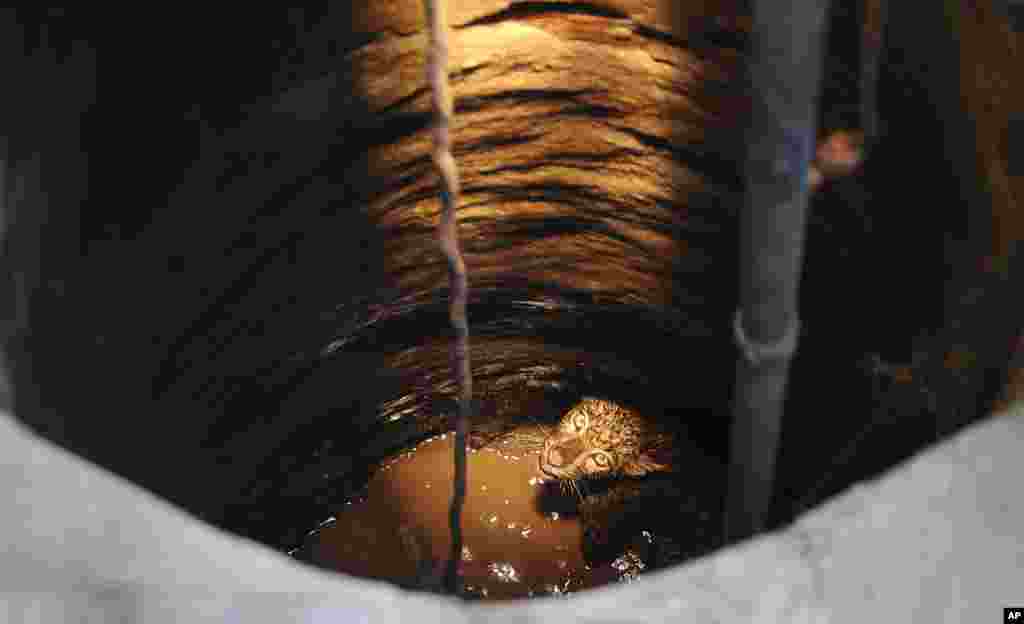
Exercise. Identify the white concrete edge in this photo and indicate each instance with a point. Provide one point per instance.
(81, 540)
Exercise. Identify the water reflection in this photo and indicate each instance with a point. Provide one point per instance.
(533, 356)
(513, 546)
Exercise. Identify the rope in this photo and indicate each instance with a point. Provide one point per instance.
(437, 77)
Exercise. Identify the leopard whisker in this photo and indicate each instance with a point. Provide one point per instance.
(576, 488)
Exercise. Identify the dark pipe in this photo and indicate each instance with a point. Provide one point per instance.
(785, 72)
(872, 31)
(6, 401)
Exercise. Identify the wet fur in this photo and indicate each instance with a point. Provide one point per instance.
(601, 439)
(633, 489)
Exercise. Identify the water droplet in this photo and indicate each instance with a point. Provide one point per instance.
(553, 515)
(562, 564)
(510, 525)
(504, 572)
(507, 501)
(493, 519)
(467, 555)
(427, 485)
(526, 531)
(629, 565)
(483, 488)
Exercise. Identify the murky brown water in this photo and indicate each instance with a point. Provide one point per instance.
(512, 548)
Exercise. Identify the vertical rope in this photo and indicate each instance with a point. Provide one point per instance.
(447, 234)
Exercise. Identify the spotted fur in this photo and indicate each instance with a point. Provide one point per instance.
(600, 438)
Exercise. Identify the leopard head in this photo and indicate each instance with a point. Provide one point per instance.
(598, 438)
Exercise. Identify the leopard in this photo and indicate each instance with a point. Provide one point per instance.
(598, 438)
(636, 464)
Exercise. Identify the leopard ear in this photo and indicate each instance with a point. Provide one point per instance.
(646, 463)
(656, 457)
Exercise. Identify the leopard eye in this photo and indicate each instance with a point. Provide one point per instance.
(601, 460)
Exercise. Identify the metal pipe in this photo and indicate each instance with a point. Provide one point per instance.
(6, 396)
(873, 22)
(785, 73)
